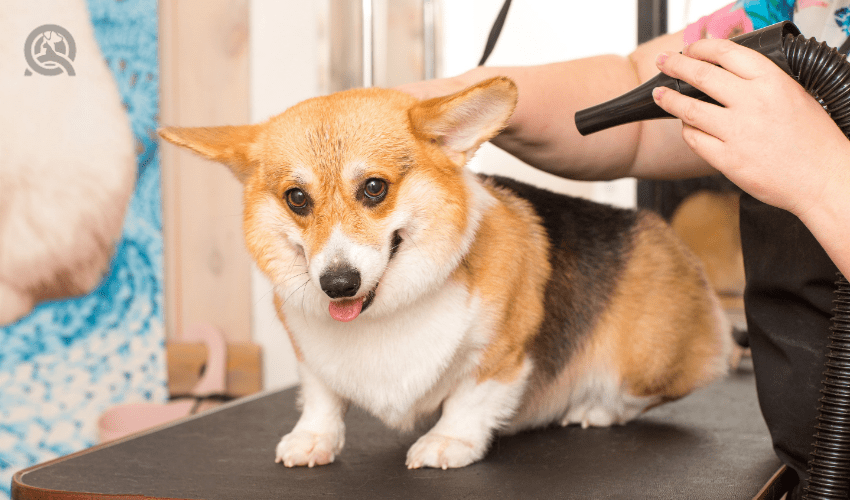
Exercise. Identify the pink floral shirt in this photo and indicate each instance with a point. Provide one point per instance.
(827, 21)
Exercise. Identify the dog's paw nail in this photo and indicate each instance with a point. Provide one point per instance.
(443, 452)
(305, 448)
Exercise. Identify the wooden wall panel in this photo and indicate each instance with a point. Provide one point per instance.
(204, 81)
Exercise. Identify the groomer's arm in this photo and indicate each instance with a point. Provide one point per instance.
(542, 130)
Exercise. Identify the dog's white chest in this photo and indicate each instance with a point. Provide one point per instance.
(388, 365)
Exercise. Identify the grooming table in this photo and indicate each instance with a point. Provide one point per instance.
(712, 444)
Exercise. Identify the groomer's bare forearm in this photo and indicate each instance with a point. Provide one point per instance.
(542, 130)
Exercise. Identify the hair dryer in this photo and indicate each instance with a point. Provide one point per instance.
(825, 74)
(820, 69)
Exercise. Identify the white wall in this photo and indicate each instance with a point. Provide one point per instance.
(680, 13)
(285, 53)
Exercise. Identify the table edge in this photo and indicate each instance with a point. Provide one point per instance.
(23, 491)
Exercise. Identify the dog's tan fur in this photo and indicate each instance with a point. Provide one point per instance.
(669, 360)
(508, 266)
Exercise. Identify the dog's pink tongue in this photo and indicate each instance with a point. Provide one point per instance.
(346, 310)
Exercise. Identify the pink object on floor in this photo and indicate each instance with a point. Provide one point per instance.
(123, 420)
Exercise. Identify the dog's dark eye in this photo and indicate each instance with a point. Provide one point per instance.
(296, 199)
(375, 189)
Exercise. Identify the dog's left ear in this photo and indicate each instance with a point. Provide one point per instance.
(229, 145)
(461, 122)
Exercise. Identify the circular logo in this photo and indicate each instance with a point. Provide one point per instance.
(49, 50)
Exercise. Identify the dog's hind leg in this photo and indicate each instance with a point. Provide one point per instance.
(603, 402)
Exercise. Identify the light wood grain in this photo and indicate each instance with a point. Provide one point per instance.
(244, 368)
(204, 82)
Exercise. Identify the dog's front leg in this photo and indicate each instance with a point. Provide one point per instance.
(471, 414)
(320, 432)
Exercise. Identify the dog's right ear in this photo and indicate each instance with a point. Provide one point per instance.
(461, 122)
(228, 144)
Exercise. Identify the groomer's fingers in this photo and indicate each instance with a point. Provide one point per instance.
(715, 81)
(704, 116)
(708, 147)
(739, 60)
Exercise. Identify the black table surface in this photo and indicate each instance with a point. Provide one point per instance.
(711, 444)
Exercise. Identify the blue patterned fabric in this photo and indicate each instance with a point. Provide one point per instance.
(66, 362)
(842, 19)
(766, 12)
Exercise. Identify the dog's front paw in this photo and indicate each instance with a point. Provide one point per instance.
(438, 451)
(307, 448)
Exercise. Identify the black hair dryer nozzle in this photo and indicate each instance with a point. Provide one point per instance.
(639, 105)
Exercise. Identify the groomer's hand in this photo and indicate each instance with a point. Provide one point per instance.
(771, 138)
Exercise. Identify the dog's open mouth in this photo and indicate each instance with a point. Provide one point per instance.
(348, 309)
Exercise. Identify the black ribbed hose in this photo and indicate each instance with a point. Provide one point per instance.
(825, 74)
(829, 465)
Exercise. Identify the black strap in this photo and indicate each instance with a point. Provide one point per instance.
(495, 31)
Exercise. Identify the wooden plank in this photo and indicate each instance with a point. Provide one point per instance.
(204, 81)
(244, 368)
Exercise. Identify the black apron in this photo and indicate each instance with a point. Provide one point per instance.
(788, 302)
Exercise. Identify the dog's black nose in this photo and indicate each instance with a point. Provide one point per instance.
(343, 281)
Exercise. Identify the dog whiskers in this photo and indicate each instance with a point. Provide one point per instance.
(292, 264)
(303, 314)
(261, 297)
(410, 237)
(293, 292)
(293, 276)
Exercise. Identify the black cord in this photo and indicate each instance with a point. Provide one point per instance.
(495, 31)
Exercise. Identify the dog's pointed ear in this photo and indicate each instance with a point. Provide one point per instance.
(459, 123)
(228, 144)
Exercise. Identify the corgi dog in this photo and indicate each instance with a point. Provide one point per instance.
(427, 294)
